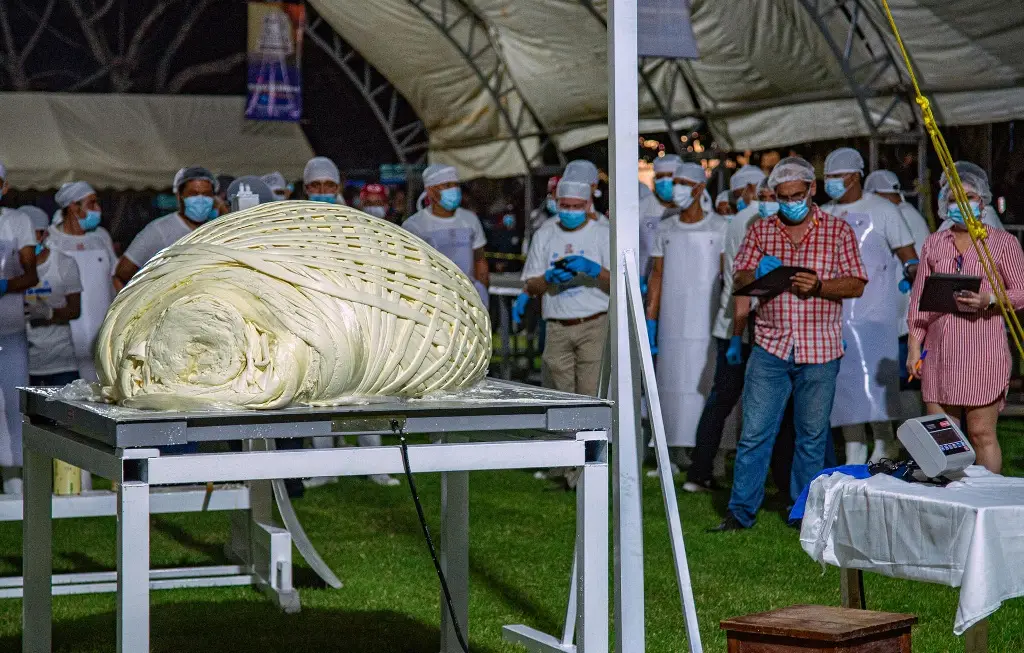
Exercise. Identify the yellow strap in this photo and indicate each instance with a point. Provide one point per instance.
(976, 229)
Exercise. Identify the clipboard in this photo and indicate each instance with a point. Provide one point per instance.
(774, 283)
(938, 295)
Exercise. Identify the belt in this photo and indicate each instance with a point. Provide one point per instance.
(578, 320)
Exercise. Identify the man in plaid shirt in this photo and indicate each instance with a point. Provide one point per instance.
(798, 335)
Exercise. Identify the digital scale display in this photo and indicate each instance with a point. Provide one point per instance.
(946, 436)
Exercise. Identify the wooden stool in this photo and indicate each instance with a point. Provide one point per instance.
(819, 629)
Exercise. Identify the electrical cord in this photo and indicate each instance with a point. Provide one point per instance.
(404, 446)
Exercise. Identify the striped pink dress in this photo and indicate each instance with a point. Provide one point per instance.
(968, 361)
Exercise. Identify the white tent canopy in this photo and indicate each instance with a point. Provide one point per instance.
(138, 141)
(496, 80)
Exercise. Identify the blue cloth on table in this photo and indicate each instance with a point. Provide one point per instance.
(856, 471)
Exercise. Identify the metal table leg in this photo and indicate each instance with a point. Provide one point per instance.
(132, 567)
(454, 555)
(592, 561)
(37, 553)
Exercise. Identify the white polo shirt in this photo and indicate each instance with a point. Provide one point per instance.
(583, 296)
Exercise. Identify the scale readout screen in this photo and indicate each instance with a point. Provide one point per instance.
(946, 436)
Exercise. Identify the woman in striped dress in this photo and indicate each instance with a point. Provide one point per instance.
(966, 371)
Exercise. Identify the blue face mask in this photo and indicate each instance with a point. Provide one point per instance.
(509, 221)
(90, 221)
(451, 198)
(199, 208)
(663, 188)
(552, 206)
(741, 204)
(835, 187)
(954, 213)
(571, 219)
(326, 198)
(794, 211)
(39, 248)
(767, 209)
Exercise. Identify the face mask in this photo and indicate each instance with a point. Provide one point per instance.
(664, 188)
(199, 208)
(767, 209)
(794, 211)
(451, 198)
(326, 198)
(90, 221)
(39, 248)
(835, 188)
(741, 204)
(509, 221)
(682, 196)
(571, 219)
(954, 214)
(376, 211)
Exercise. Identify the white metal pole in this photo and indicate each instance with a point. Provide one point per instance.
(623, 132)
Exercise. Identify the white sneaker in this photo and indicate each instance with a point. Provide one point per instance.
(318, 481)
(383, 479)
(540, 475)
(695, 488)
(654, 472)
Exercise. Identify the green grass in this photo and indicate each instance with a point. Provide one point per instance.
(521, 543)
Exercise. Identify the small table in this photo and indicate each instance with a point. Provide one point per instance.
(494, 425)
(966, 535)
(819, 629)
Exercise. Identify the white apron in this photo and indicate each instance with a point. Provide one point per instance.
(867, 386)
(457, 244)
(94, 266)
(686, 354)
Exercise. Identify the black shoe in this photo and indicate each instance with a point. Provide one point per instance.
(730, 523)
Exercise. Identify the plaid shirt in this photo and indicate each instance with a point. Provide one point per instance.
(810, 329)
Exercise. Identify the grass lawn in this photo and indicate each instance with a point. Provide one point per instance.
(521, 543)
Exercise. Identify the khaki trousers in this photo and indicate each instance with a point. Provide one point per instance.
(572, 355)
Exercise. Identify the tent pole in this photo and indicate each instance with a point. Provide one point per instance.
(873, 154)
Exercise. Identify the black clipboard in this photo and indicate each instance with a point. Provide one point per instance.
(939, 293)
(775, 282)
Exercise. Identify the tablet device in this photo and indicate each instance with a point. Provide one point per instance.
(939, 294)
(771, 284)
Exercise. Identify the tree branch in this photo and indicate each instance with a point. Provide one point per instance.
(97, 46)
(12, 51)
(184, 29)
(85, 81)
(100, 12)
(132, 53)
(215, 67)
(44, 21)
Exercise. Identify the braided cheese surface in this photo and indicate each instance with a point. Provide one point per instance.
(292, 303)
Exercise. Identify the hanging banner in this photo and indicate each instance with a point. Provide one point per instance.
(275, 56)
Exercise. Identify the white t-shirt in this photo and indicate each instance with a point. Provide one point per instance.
(916, 223)
(16, 231)
(884, 215)
(15, 235)
(158, 234)
(734, 235)
(455, 237)
(581, 297)
(651, 213)
(96, 239)
(50, 349)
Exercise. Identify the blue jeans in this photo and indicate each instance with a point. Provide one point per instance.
(767, 387)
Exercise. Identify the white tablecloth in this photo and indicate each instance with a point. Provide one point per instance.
(969, 534)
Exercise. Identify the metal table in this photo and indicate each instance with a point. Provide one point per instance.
(495, 425)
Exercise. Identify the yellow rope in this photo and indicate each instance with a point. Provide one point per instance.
(976, 229)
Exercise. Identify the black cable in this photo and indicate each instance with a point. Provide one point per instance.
(397, 429)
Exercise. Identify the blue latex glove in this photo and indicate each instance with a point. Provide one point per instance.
(844, 345)
(643, 285)
(905, 286)
(734, 354)
(652, 336)
(519, 309)
(3, 287)
(767, 264)
(583, 265)
(558, 275)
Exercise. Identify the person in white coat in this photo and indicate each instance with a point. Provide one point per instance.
(682, 300)
(653, 208)
(17, 274)
(80, 237)
(867, 387)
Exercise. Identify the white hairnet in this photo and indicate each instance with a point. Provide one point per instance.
(256, 185)
(971, 181)
(882, 181)
(691, 172)
(744, 177)
(581, 170)
(40, 221)
(274, 181)
(843, 160)
(965, 167)
(320, 168)
(667, 163)
(570, 189)
(439, 173)
(193, 173)
(71, 192)
(792, 168)
(724, 196)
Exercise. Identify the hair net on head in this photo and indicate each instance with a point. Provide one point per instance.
(744, 177)
(667, 163)
(971, 182)
(193, 173)
(581, 170)
(968, 168)
(724, 196)
(882, 181)
(71, 192)
(439, 173)
(569, 189)
(256, 185)
(691, 172)
(40, 221)
(843, 160)
(275, 181)
(320, 168)
(792, 168)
